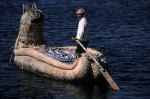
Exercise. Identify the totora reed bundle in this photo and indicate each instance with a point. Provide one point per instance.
(31, 27)
(32, 58)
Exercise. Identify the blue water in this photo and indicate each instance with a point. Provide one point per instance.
(119, 28)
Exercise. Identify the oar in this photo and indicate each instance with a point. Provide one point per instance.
(103, 71)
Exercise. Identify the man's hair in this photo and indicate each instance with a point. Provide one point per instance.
(80, 10)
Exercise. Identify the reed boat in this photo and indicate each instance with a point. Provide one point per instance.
(31, 53)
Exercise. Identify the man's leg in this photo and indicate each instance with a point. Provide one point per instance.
(79, 49)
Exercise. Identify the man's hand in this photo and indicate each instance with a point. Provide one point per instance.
(74, 38)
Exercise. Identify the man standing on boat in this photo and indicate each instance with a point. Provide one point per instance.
(82, 31)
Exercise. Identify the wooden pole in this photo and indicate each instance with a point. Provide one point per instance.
(103, 71)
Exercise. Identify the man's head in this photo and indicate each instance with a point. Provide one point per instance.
(80, 12)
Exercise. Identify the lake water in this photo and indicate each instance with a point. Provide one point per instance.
(119, 28)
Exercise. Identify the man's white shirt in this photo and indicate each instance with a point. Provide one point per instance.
(82, 32)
